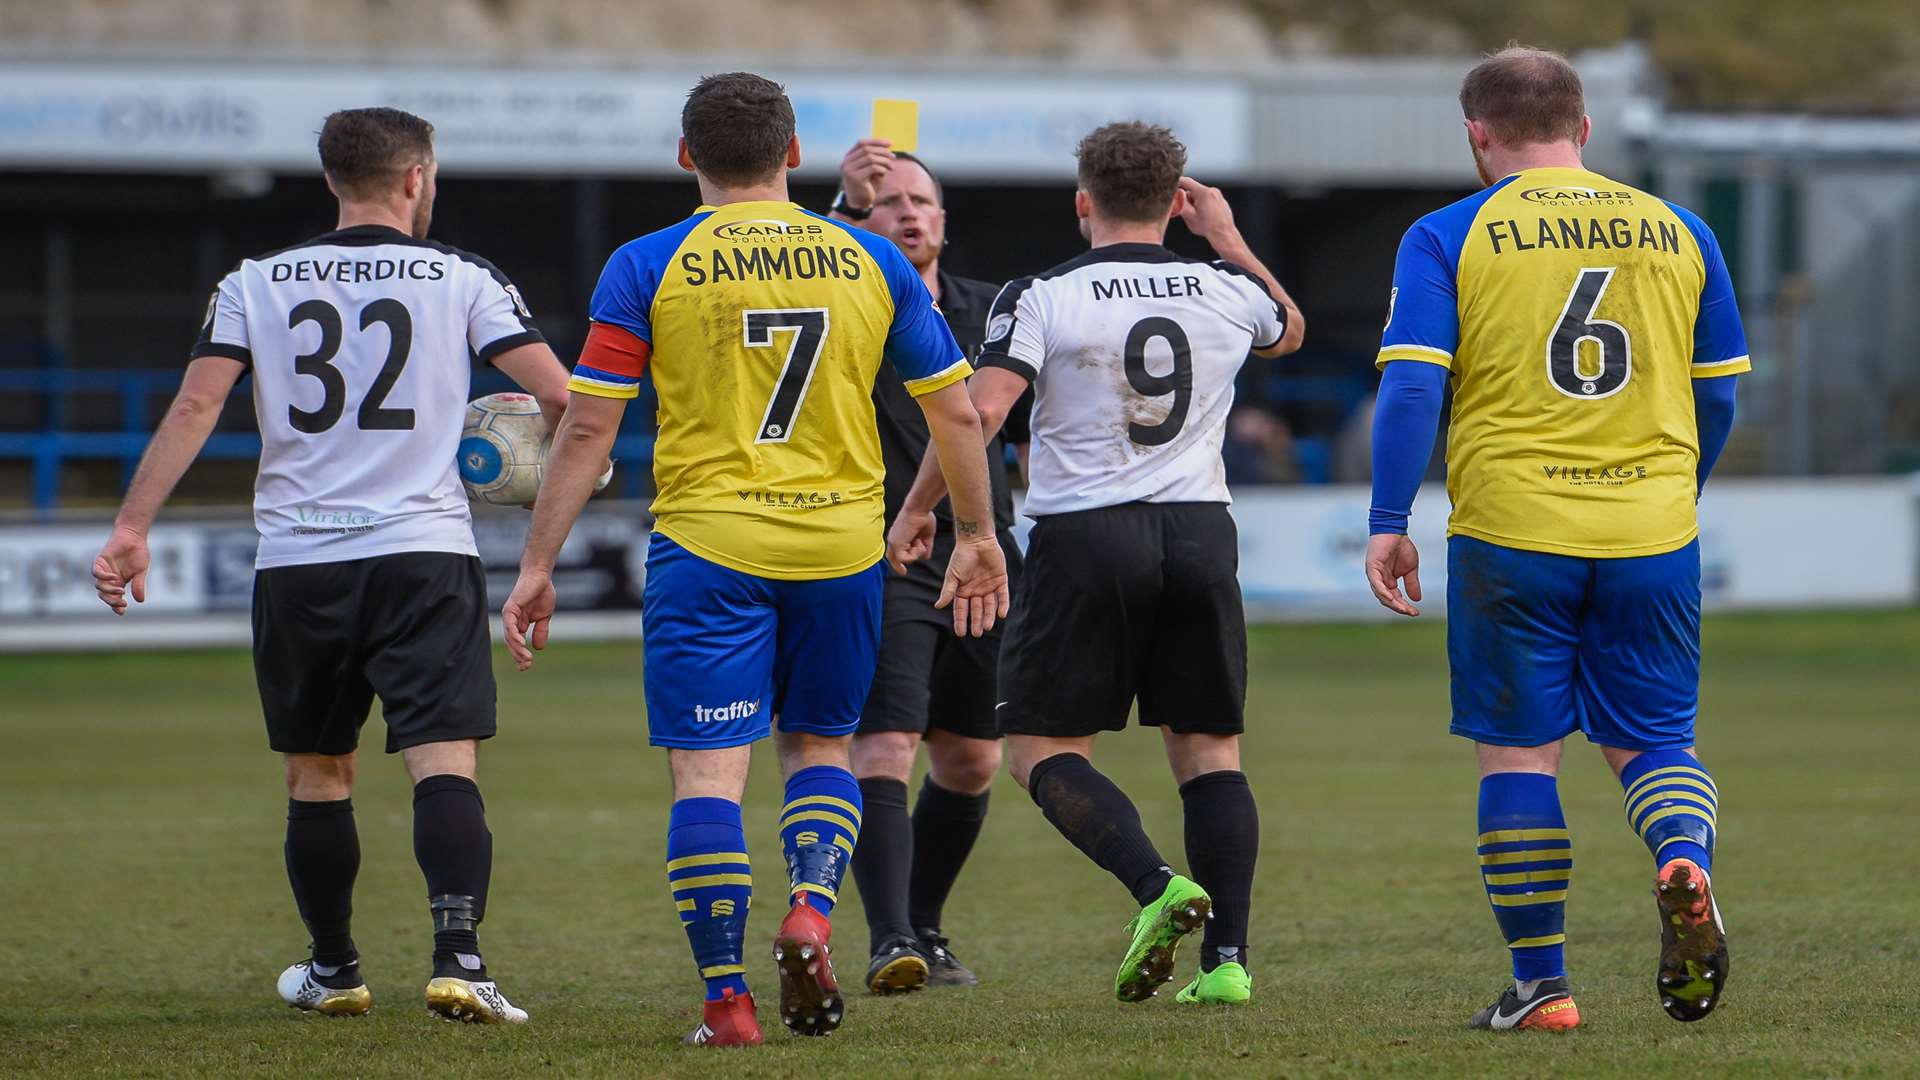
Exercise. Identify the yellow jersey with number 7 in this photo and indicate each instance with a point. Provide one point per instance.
(1573, 312)
(763, 327)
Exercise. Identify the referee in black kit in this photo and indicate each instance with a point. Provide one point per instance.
(930, 684)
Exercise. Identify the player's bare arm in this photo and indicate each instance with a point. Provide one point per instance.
(1209, 217)
(574, 465)
(993, 392)
(535, 369)
(122, 565)
(976, 582)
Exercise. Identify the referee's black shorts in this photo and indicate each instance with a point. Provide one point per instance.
(410, 628)
(1139, 601)
(926, 676)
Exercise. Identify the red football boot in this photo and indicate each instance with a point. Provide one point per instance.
(809, 996)
(727, 1022)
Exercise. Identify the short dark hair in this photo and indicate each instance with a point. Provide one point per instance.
(1131, 169)
(1525, 95)
(939, 189)
(362, 148)
(737, 126)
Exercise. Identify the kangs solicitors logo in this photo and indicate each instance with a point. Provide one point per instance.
(768, 229)
(1575, 195)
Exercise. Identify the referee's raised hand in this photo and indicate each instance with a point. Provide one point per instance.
(862, 169)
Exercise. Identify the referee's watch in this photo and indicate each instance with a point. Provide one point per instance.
(840, 207)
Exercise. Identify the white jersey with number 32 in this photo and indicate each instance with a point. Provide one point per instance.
(1132, 351)
(361, 344)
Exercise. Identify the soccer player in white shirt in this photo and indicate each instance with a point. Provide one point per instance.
(361, 343)
(1132, 594)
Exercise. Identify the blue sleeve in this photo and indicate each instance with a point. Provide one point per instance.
(1719, 338)
(624, 296)
(1423, 310)
(920, 345)
(1406, 418)
(1713, 408)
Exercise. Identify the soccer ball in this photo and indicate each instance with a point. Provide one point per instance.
(503, 449)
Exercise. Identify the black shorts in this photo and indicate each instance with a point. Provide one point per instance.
(1136, 601)
(926, 676)
(411, 628)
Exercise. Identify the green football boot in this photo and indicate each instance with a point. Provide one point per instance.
(1182, 908)
(1228, 984)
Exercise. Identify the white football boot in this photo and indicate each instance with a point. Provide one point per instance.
(471, 1002)
(300, 990)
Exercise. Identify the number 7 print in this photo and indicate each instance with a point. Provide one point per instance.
(796, 373)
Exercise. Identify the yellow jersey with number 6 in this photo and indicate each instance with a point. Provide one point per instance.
(1573, 312)
(763, 327)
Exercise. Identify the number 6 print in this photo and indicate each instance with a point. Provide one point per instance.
(1577, 324)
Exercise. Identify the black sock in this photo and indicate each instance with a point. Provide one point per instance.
(1097, 816)
(323, 858)
(455, 852)
(883, 858)
(1223, 840)
(945, 825)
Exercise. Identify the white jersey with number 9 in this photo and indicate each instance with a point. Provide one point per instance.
(1132, 351)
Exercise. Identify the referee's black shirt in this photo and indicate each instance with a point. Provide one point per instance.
(903, 427)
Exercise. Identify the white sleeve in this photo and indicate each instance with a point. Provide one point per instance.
(1267, 318)
(223, 332)
(1016, 335)
(498, 318)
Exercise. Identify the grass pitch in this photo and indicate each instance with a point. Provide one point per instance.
(144, 912)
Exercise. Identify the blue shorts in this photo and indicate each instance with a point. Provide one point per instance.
(726, 651)
(1545, 645)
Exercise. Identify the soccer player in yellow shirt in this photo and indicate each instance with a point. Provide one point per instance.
(763, 326)
(1591, 334)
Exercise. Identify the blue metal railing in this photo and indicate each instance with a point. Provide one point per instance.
(48, 449)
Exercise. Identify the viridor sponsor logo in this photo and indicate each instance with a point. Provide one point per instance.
(316, 520)
(320, 515)
(739, 710)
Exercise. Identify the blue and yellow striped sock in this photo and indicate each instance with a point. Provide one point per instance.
(819, 826)
(1526, 863)
(712, 886)
(1671, 800)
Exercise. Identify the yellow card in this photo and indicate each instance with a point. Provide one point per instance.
(898, 122)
